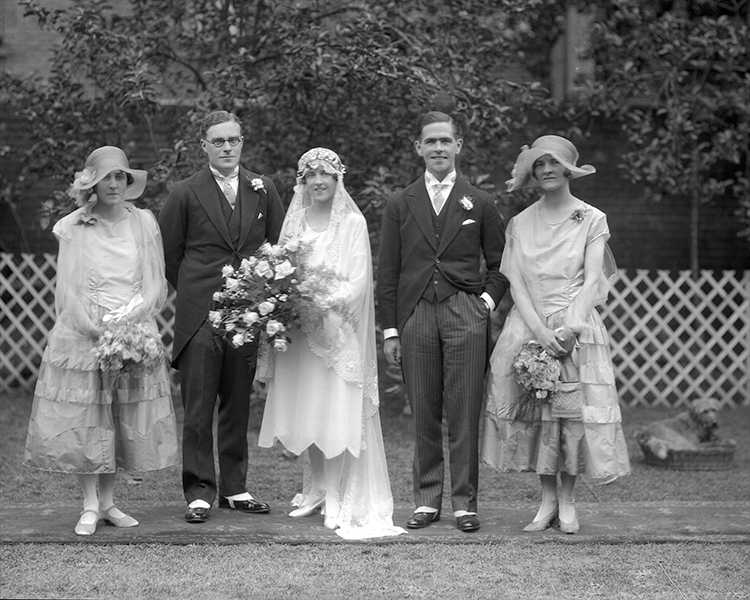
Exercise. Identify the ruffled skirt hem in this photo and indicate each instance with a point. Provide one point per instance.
(95, 431)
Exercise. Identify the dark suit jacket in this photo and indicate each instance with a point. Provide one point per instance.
(197, 243)
(410, 252)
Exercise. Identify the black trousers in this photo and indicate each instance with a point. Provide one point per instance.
(211, 368)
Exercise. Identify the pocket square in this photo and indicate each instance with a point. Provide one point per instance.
(468, 222)
(260, 215)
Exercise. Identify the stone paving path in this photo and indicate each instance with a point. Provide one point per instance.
(613, 522)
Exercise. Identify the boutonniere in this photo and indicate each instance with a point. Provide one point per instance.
(578, 215)
(257, 184)
(466, 203)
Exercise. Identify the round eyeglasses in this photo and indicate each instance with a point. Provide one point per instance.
(218, 142)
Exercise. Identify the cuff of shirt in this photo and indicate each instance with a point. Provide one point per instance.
(390, 332)
(488, 299)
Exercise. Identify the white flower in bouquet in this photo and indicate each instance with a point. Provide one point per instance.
(248, 263)
(232, 284)
(266, 308)
(280, 344)
(214, 316)
(285, 269)
(250, 317)
(227, 271)
(273, 327)
(263, 269)
(238, 339)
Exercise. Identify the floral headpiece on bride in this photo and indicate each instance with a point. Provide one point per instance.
(327, 159)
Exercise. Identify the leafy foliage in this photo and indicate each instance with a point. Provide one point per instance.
(299, 73)
(677, 74)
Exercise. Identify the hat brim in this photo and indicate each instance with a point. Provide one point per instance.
(524, 168)
(133, 191)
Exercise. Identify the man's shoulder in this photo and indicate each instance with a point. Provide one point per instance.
(464, 186)
(409, 190)
(196, 177)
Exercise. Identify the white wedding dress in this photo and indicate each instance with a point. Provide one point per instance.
(323, 389)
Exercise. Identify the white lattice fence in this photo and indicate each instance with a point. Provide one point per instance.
(672, 338)
(27, 313)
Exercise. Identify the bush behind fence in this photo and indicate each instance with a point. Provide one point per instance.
(674, 337)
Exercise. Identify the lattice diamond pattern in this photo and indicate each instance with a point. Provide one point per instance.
(673, 337)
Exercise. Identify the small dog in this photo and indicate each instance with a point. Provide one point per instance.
(685, 431)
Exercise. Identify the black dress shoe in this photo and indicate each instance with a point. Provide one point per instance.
(197, 514)
(420, 520)
(467, 522)
(248, 506)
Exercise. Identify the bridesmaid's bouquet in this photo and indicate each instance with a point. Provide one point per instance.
(537, 372)
(271, 292)
(129, 347)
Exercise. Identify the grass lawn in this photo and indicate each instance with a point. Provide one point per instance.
(506, 569)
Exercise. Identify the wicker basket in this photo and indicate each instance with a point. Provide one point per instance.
(716, 456)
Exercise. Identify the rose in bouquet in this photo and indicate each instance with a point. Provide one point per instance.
(537, 372)
(271, 292)
(129, 347)
(257, 300)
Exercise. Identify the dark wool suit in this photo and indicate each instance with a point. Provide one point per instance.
(429, 285)
(202, 234)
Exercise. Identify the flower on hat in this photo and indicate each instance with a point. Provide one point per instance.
(81, 181)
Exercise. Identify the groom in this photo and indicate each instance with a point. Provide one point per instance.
(218, 216)
(435, 302)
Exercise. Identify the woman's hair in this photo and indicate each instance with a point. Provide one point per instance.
(435, 116)
(215, 118)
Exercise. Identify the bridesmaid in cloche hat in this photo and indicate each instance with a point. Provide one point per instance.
(110, 268)
(559, 266)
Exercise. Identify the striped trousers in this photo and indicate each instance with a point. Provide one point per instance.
(444, 351)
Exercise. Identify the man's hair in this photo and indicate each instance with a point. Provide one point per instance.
(215, 118)
(435, 116)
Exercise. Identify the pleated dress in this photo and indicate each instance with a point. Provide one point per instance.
(79, 424)
(586, 438)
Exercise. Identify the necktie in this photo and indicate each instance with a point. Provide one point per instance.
(228, 192)
(438, 199)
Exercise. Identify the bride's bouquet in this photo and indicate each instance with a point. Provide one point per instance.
(271, 292)
(129, 347)
(537, 372)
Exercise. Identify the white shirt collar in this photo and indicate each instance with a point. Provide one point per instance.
(231, 177)
(431, 180)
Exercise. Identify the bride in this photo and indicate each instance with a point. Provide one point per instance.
(323, 391)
